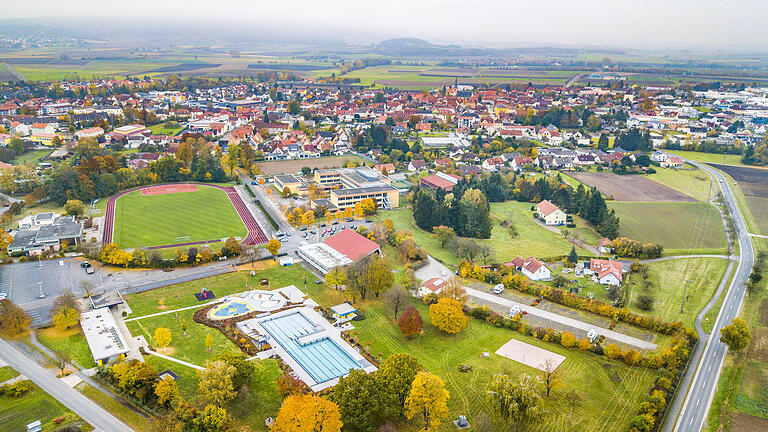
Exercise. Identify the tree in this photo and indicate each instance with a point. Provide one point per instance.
(74, 207)
(444, 234)
(62, 359)
(231, 247)
(396, 298)
(552, 376)
(736, 334)
(368, 206)
(208, 341)
(5, 239)
(429, 399)
(294, 107)
(474, 214)
(244, 369)
(166, 390)
(184, 327)
(410, 322)
(361, 401)
(336, 277)
(65, 318)
(215, 382)
(162, 337)
(273, 247)
(568, 340)
(307, 413)
(395, 376)
(454, 290)
(12, 317)
(516, 401)
(573, 257)
(612, 351)
(447, 315)
(308, 218)
(593, 123)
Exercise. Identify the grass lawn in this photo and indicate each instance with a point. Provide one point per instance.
(30, 157)
(160, 129)
(532, 238)
(70, 341)
(668, 277)
(117, 409)
(154, 220)
(692, 182)
(17, 412)
(6, 373)
(709, 157)
(674, 225)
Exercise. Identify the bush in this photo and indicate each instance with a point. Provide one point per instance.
(430, 299)
(645, 302)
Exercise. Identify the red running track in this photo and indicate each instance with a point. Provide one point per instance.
(255, 233)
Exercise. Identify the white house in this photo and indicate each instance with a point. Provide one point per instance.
(431, 286)
(532, 268)
(550, 214)
(605, 272)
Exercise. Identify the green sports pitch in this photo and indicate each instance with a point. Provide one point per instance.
(171, 218)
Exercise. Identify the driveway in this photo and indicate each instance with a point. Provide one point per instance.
(436, 269)
(67, 396)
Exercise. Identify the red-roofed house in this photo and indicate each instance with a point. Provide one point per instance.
(673, 162)
(605, 272)
(432, 286)
(352, 245)
(518, 162)
(440, 180)
(531, 268)
(550, 214)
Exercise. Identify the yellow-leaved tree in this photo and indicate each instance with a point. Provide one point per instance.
(307, 413)
(162, 337)
(429, 398)
(447, 315)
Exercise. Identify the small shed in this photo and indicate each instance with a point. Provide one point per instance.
(343, 312)
(35, 426)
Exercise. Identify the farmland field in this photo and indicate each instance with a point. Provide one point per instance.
(689, 181)
(154, 220)
(294, 165)
(630, 187)
(682, 225)
(17, 412)
(754, 185)
(709, 157)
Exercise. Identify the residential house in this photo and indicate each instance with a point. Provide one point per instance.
(431, 286)
(605, 272)
(550, 213)
(417, 165)
(531, 268)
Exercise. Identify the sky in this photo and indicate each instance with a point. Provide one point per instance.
(707, 24)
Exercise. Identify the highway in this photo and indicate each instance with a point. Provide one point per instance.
(695, 406)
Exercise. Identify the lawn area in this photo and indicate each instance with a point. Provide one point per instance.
(668, 277)
(154, 220)
(709, 157)
(691, 181)
(6, 373)
(615, 390)
(31, 157)
(676, 226)
(117, 409)
(17, 412)
(160, 129)
(70, 341)
(532, 238)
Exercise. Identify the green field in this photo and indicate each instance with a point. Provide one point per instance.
(154, 220)
(690, 181)
(17, 412)
(30, 157)
(160, 129)
(532, 238)
(6, 373)
(127, 416)
(71, 342)
(709, 157)
(694, 225)
(668, 278)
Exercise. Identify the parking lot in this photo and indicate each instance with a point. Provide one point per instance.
(319, 232)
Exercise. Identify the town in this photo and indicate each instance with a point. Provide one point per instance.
(297, 249)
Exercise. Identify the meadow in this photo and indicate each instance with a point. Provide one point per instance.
(690, 181)
(155, 220)
(17, 412)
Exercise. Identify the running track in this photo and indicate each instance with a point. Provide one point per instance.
(255, 233)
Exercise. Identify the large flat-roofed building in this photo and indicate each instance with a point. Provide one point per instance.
(45, 231)
(103, 337)
(338, 250)
(293, 183)
(348, 186)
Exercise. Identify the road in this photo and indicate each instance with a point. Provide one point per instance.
(67, 396)
(695, 407)
(436, 269)
(573, 80)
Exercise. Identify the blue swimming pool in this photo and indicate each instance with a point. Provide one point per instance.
(230, 309)
(323, 359)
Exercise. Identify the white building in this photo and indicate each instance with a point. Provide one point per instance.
(103, 337)
(550, 214)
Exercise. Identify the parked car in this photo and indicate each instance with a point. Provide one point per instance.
(3, 296)
(89, 270)
(335, 222)
(592, 335)
(303, 229)
(85, 264)
(514, 310)
(498, 289)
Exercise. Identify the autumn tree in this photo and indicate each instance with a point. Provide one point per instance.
(447, 315)
(736, 334)
(551, 375)
(215, 382)
(444, 234)
(568, 340)
(396, 297)
(74, 207)
(361, 401)
(61, 359)
(231, 247)
(208, 341)
(428, 398)
(65, 318)
(5, 239)
(368, 206)
(335, 277)
(516, 401)
(454, 290)
(244, 368)
(13, 318)
(166, 391)
(273, 247)
(308, 218)
(162, 337)
(410, 322)
(307, 413)
(395, 376)
(612, 351)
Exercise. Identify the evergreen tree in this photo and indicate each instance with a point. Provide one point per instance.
(609, 226)
(573, 257)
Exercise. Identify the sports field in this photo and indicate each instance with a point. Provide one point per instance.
(168, 218)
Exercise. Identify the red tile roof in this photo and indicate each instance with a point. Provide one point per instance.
(434, 284)
(546, 208)
(352, 244)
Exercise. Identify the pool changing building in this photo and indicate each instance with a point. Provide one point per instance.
(103, 337)
(337, 250)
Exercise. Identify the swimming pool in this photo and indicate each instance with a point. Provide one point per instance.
(320, 356)
(230, 308)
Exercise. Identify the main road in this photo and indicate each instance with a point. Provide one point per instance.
(697, 401)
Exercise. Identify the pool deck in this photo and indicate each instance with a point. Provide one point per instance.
(333, 333)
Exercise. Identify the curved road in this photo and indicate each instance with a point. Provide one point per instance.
(695, 406)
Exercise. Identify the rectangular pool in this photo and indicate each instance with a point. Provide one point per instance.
(323, 358)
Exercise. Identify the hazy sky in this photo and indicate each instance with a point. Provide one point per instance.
(713, 24)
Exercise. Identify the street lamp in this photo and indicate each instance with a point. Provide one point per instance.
(40, 285)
